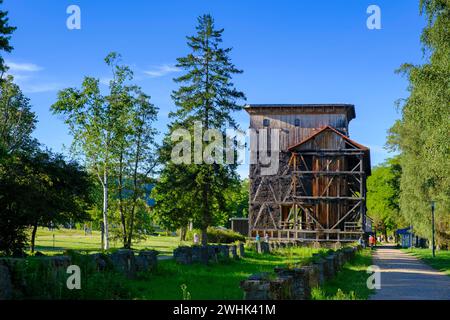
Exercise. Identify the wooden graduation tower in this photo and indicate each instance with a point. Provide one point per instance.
(318, 192)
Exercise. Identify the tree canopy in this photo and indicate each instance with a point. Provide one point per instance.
(383, 191)
(422, 134)
(113, 134)
(5, 36)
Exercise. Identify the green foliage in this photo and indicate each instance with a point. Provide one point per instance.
(36, 186)
(224, 277)
(196, 192)
(37, 279)
(114, 135)
(422, 134)
(217, 235)
(186, 293)
(5, 35)
(383, 193)
(17, 121)
(237, 200)
(350, 282)
(319, 294)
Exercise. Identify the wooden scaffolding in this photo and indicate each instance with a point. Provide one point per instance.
(318, 194)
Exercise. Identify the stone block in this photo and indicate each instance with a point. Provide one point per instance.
(233, 251)
(261, 287)
(146, 260)
(200, 254)
(124, 261)
(320, 264)
(241, 249)
(300, 289)
(224, 252)
(183, 255)
(213, 253)
(313, 275)
(265, 247)
(6, 289)
(329, 268)
(101, 261)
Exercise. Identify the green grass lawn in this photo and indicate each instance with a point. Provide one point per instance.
(216, 281)
(350, 283)
(76, 240)
(440, 262)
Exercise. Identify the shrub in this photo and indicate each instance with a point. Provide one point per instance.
(216, 235)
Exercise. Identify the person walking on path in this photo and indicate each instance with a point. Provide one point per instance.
(372, 241)
(196, 239)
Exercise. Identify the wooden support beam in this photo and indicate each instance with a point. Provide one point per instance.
(322, 172)
(311, 216)
(345, 215)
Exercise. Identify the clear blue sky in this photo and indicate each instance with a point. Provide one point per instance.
(290, 51)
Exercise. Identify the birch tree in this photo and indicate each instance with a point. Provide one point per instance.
(96, 122)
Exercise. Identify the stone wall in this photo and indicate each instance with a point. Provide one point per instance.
(208, 254)
(296, 283)
(13, 282)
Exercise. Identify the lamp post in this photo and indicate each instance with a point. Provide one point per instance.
(432, 228)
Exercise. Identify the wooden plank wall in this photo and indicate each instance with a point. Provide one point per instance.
(309, 124)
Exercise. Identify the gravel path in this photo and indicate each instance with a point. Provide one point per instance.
(405, 277)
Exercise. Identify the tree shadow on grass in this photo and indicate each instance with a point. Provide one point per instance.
(220, 281)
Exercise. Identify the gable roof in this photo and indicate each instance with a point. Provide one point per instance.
(357, 145)
(343, 136)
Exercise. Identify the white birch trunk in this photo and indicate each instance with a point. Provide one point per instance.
(105, 211)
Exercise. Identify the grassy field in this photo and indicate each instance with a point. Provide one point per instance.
(216, 281)
(350, 283)
(77, 240)
(440, 262)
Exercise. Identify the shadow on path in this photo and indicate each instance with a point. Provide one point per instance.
(405, 277)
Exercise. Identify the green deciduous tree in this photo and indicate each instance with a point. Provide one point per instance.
(136, 162)
(17, 121)
(383, 195)
(422, 134)
(95, 123)
(114, 135)
(237, 200)
(61, 191)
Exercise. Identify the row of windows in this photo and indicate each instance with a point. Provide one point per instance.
(266, 122)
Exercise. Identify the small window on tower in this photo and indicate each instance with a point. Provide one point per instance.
(297, 122)
(266, 122)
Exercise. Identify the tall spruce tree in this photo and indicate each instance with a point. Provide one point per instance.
(208, 96)
(5, 35)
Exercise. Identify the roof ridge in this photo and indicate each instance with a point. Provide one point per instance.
(328, 127)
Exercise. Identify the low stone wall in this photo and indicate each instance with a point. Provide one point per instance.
(13, 280)
(262, 287)
(207, 254)
(296, 283)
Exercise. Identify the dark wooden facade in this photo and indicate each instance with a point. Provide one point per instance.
(318, 191)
